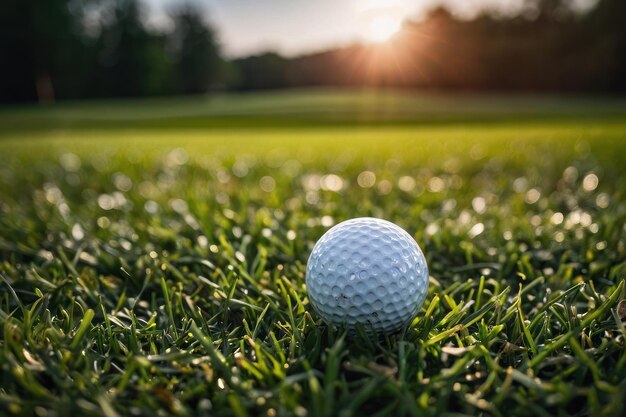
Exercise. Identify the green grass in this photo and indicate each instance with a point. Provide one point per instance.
(310, 108)
(152, 255)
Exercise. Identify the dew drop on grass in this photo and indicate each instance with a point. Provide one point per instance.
(477, 229)
(479, 204)
(152, 207)
(406, 183)
(106, 202)
(431, 229)
(602, 200)
(590, 182)
(267, 183)
(366, 179)
(520, 185)
(331, 182)
(122, 182)
(570, 174)
(436, 185)
(103, 222)
(384, 187)
(77, 232)
(557, 218)
(70, 162)
(312, 198)
(203, 241)
(533, 195)
(327, 221)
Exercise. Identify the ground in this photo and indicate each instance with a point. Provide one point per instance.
(153, 255)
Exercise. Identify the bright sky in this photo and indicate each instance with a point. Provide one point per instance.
(293, 27)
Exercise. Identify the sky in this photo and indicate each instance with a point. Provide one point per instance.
(293, 27)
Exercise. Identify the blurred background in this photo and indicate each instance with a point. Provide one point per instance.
(69, 49)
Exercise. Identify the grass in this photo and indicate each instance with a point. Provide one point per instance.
(310, 108)
(153, 255)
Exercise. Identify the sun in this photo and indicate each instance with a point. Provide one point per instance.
(382, 28)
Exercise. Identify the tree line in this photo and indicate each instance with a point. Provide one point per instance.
(71, 49)
(555, 50)
(68, 49)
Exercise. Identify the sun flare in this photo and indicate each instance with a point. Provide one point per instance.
(382, 28)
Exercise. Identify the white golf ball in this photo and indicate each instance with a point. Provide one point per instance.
(367, 271)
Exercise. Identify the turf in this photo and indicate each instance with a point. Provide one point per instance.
(153, 255)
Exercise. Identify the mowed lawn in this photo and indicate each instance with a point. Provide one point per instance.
(153, 254)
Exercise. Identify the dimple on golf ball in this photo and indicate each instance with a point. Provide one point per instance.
(367, 271)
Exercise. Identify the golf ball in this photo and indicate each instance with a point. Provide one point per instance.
(367, 271)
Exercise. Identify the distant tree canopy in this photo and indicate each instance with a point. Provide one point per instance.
(65, 49)
(554, 50)
(128, 60)
(265, 71)
(102, 48)
(34, 38)
(194, 51)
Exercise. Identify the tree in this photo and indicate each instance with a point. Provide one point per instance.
(130, 60)
(265, 71)
(37, 40)
(194, 51)
(606, 26)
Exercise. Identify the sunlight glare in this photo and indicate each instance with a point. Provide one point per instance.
(382, 28)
